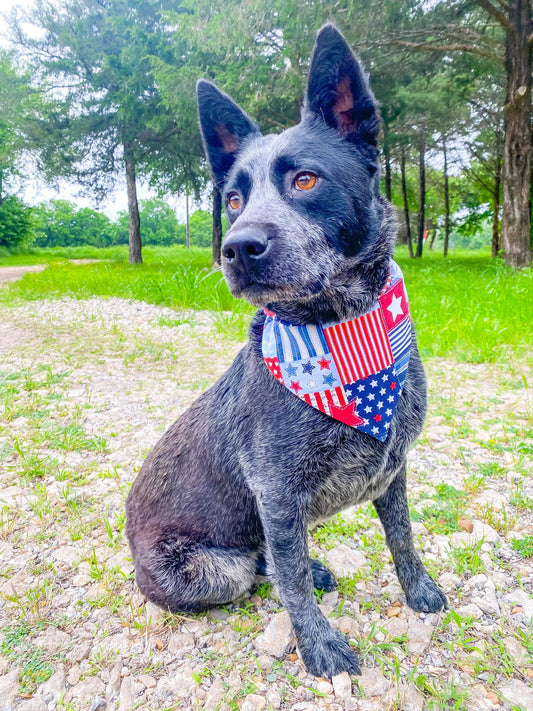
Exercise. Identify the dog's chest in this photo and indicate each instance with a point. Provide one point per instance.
(352, 479)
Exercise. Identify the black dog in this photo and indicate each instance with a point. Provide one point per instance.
(240, 477)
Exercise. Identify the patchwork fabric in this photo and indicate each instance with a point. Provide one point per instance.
(352, 371)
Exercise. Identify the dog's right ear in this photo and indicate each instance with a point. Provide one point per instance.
(224, 126)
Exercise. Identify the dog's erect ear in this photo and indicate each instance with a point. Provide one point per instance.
(338, 88)
(224, 127)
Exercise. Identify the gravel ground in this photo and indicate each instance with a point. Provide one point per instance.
(87, 388)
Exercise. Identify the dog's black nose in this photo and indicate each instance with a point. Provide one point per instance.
(244, 247)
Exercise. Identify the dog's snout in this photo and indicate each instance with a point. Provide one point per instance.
(244, 247)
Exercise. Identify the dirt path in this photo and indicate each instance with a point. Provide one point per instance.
(87, 388)
(8, 274)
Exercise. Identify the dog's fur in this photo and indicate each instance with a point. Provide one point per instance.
(241, 475)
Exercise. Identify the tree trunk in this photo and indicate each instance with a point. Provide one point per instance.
(433, 237)
(446, 200)
(187, 221)
(406, 206)
(217, 224)
(496, 200)
(421, 199)
(388, 175)
(135, 245)
(516, 173)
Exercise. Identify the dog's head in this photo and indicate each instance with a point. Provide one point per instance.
(302, 204)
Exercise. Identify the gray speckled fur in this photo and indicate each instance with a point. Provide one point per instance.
(249, 467)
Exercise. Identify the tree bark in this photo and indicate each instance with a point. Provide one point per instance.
(516, 171)
(388, 174)
(187, 221)
(406, 206)
(135, 245)
(496, 200)
(421, 198)
(217, 224)
(446, 200)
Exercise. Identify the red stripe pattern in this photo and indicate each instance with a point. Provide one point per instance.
(360, 347)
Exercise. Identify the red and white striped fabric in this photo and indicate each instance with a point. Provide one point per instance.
(360, 347)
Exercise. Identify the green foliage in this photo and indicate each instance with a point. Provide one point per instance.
(60, 223)
(201, 227)
(523, 546)
(17, 647)
(16, 223)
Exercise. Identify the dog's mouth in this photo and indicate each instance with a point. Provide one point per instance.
(260, 293)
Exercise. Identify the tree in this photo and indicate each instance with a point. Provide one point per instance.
(498, 33)
(60, 223)
(93, 59)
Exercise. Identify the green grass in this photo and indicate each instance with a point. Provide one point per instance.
(467, 306)
(34, 667)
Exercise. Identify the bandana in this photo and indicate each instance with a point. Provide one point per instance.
(352, 371)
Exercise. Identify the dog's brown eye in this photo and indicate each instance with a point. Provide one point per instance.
(305, 181)
(234, 201)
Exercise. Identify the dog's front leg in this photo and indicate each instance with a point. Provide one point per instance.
(422, 593)
(324, 651)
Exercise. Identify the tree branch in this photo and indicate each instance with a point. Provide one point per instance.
(453, 47)
(497, 14)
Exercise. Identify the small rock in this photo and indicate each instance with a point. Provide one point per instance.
(52, 689)
(278, 636)
(465, 524)
(84, 692)
(518, 694)
(274, 698)
(324, 687)
(113, 685)
(153, 614)
(344, 560)
(520, 597)
(218, 614)
(98, 703)
(413, 699)
(342, 686)
(215, 695)
(395, 627)
(469, 610)
(183, 642)
(347, 625)
(74, 674)
(482, 531)
(35, 704)
(372, 682)
(253, 702)
(330, 599)
(148, 681)
(126, 694)
(183, 683)
(81, 580)
(418, 636)
(53, 641)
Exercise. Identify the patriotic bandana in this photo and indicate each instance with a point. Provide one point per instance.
(354, 370)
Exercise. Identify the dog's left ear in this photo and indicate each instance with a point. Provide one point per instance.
(225, 127)
(338, 89)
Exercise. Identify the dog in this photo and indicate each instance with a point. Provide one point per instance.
(232, 487)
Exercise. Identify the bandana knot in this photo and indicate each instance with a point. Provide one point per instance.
(354, 370)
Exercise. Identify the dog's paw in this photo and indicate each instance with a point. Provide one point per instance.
(424, 595)
(323, 578)
(328, 654)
